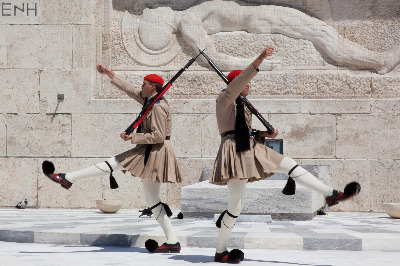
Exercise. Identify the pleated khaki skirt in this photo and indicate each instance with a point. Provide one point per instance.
(255, 164)
(161, 166)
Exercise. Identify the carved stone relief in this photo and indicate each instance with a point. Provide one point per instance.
(145, 47)
(150, 39)
(311, 38)
(318, 8)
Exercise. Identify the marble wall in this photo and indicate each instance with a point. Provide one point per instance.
(336, 108)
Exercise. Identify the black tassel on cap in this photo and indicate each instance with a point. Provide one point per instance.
(242, 136)
(113, 182)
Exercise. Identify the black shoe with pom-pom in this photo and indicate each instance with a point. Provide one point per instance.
(59, 178)
(153, 247)
(350, 191)
(235, 256)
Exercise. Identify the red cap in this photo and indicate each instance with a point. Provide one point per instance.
(154, 78)
(233, 74)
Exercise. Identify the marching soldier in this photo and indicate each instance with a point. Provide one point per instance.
(152, 159)
(243, 158)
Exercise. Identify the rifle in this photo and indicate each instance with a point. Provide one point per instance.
(270, 129)
(290, 186)
(157, 97)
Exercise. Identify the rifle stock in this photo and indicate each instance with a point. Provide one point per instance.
(267, 125)
(157, 97)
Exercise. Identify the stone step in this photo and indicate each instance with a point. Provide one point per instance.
(262, 198)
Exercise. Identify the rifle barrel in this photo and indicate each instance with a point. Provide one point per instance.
(270, 129)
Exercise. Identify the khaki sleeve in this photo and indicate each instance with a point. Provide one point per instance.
(127, 87)
(237, 86)
(158, 127)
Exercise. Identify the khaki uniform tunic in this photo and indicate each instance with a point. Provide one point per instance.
(255, 164)
(161, 165)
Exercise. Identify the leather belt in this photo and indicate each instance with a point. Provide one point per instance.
(148, 150)
(229, 132)
(232, 132)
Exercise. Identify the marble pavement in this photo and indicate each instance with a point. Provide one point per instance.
(90, 227)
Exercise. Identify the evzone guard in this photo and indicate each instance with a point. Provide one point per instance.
(243, 158)
(152, 159)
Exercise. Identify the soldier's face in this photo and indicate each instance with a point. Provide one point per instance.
(148, 89)
(246, 90)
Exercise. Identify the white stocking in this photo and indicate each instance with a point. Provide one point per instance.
(303, 177)
(97, 170)
(236, 197)
(152, 197)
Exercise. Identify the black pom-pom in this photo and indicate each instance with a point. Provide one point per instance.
(48, 168)
(290, 187)
(235, 256)
(352, 189)
(180, 215)
(151, 245)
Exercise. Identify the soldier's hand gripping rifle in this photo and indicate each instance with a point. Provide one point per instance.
(270, 129)
(157, 97)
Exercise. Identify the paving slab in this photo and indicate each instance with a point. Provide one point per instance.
(24, 254)
(90, 227)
